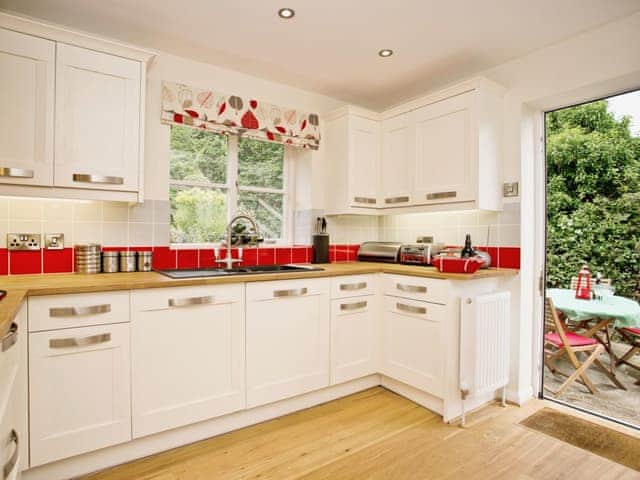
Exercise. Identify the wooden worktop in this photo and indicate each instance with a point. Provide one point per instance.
(19, 287)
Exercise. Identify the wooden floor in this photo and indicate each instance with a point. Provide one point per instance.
(377, 434)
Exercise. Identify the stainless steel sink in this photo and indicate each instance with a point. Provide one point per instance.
(221, 272)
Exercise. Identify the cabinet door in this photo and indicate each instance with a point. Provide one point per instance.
(412, 350)
(79, 387)
(353, 338)
(97, 120)
(364, 162)
(287, 339)
(445, 171)
(398, 161)
(14, 442)
(26, 93)
(188, 355)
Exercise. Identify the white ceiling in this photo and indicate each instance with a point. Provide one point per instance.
(330, 47)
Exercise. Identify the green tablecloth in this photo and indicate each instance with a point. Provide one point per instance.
(624, 311)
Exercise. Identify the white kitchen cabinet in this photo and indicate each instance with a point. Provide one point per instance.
(353, 156)
(98, 120)
(27, 79)
(14, 442)
(445, 169)
(288, 329)
(398, 161)
(188, 355)
(354, 337)
(413, 343)
(79, 390)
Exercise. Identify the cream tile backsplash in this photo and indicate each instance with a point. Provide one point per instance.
(502, 228)
(108, 223)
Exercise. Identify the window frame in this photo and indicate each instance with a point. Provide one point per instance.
(233, 188)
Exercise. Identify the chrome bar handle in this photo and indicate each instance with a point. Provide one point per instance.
(10, 338)
(79, 342)
(392, 200)
(349, 307)
(367, 200)
(296, 292)
(440, 195)
(190, 301)
(79, 311)
(16, 172)
(411, 309)
(8, 467)
(87, 178)
(411, 288)
(349, 287)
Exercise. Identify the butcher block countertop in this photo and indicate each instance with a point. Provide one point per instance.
(20, 287)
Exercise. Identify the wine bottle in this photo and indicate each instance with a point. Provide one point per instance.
(467, 251)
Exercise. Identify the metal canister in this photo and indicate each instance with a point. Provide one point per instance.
(127, 261)
(87, 258)
(145, 261)
(110, 262)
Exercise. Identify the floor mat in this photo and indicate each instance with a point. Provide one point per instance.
(616, 446)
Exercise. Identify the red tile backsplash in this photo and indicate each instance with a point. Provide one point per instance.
(21, 263)
(163, 257)
(57, 261)
(187, 258)
(4, 261)
(283, 255)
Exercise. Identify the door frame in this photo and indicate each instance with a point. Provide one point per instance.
(540, 213)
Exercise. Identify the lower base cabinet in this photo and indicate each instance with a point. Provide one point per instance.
(188, 355)
(354, 323)
(79, 381)
(412, 345)
(287, 339)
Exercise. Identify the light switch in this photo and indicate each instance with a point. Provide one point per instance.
(510, 189)
(54, 241)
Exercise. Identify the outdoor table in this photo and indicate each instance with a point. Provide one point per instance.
(611, 310)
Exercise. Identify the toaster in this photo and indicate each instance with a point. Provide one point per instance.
(418, 253)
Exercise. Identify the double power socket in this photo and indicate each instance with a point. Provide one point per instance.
(33, 241)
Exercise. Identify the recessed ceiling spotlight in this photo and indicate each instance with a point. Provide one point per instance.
(385, 52)
(286, 13)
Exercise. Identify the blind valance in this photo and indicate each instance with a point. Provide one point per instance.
(234, 115)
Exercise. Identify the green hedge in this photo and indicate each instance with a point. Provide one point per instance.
(593, 196)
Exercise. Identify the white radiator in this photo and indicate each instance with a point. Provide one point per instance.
(484, 345)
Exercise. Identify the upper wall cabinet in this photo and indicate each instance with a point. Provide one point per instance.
(97, 139)
(443, 149)
(444, 167)
(27, 66)
(398, 159)
(353, 157)
(92, 146)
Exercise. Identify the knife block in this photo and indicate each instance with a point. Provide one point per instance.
(320, 248)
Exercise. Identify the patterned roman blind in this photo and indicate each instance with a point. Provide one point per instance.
(234, 115)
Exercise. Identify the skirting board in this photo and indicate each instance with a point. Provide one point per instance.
(142, 447)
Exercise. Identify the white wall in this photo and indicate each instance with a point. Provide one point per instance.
(596, 63)
(177, 69)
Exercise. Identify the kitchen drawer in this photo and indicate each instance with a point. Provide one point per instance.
(353, 286)
(423, 289)
(177, 297)
(261, 291)
(12, 444)
(78, 310)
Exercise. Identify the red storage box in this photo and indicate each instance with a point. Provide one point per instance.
(457, 264)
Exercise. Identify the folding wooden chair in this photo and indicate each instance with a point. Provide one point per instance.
(632, 337)
(558, 341)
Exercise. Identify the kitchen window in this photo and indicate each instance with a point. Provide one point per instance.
(213, 177)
